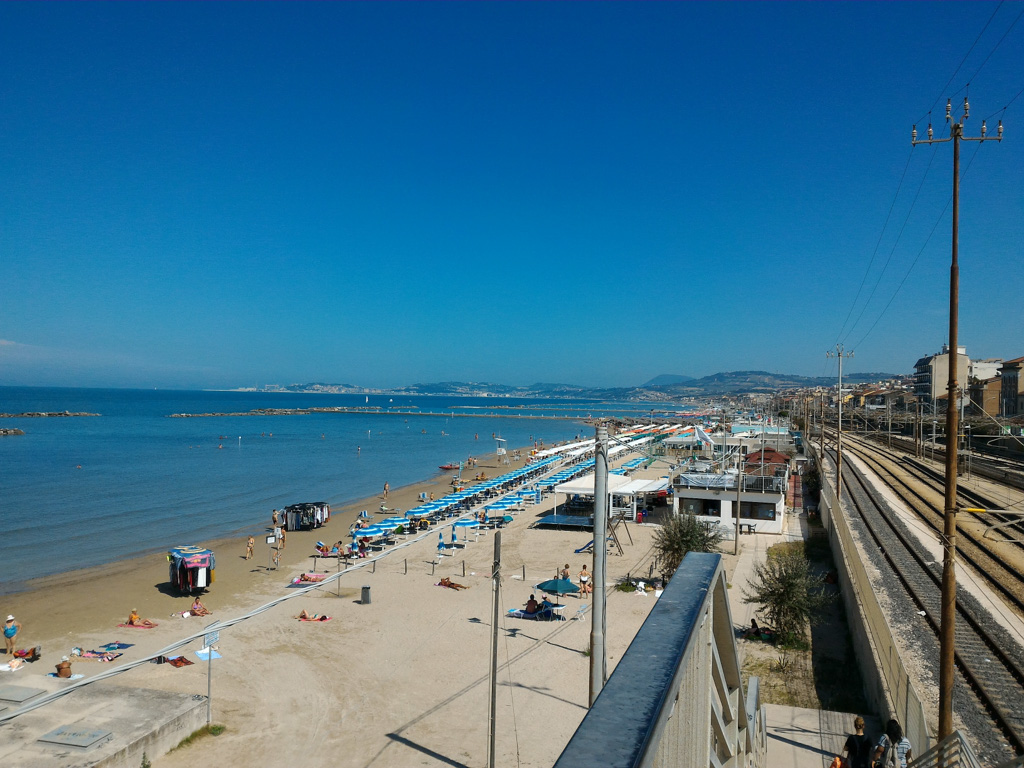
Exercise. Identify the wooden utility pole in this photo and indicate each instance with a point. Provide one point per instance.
(947, 648)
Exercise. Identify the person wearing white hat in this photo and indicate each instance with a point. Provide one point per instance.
(11, 629)
(64, 668)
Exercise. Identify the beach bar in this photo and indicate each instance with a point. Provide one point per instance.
(191, 568)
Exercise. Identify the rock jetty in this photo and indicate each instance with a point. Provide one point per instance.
(44, 414)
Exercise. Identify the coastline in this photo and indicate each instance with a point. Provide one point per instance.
(382, 683)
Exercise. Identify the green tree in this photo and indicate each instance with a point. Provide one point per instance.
(683, 534)
(787, 592)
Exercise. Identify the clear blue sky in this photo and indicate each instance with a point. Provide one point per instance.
(220, 195)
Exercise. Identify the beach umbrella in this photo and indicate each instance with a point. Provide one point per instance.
(454, 537)
(557, 586)
(440, 542)
(393, 521)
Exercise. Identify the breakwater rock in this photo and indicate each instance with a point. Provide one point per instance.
(10, 431)
(43, 414)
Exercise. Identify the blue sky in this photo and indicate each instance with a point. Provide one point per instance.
(221, 195)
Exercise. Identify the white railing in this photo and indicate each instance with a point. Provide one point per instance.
(676, 697)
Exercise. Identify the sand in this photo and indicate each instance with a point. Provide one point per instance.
(401, 681)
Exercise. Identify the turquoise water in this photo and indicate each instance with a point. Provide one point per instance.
(78, 492)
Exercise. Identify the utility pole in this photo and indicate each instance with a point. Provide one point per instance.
(948, 619)
(839, 430)
(598, 619)
(496, 597)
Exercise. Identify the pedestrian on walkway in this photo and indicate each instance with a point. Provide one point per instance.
(893, 749)
(858, 748)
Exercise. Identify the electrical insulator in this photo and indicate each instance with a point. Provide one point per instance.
(983, 129)
(913, 134)
(929, 131)
(949, 108)
(967, 108)
(1000, 129)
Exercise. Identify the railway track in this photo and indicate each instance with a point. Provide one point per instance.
(989, 662)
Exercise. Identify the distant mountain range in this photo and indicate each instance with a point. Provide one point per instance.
(663, 387)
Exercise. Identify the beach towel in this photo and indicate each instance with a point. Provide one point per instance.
(75, 676)
(137, 626)
(318, 618)
(28, 653)
(9, 668)
(98, 655)
(180, 661)
(116, 646)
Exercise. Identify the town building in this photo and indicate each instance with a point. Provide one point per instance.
(985, 396)
(931, 375)
(1010, 388)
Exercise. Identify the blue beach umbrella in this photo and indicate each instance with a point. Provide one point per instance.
(440, 542)
(454, 537)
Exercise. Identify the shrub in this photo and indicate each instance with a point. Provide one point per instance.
(787, 592)
(683, 534)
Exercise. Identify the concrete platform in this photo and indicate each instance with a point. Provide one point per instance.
(809, 738)
(101, 725)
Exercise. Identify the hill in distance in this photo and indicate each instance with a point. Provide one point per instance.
(666, 379)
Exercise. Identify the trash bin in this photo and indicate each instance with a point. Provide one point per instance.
(366, 594)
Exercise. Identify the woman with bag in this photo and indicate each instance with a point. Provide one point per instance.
(893, 750)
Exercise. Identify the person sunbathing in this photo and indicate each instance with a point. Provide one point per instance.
(305, 616)
(198, 609)
(446, 582)
(532, 606)
(137, 621)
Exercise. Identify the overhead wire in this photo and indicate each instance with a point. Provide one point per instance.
(878, 243)
(910, 269)
(996, 46)
(899, 236)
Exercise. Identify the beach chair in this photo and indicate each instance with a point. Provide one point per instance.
(581, 614)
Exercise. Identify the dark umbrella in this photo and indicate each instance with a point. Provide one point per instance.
(557, 586)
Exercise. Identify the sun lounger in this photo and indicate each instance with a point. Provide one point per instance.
(519, 613)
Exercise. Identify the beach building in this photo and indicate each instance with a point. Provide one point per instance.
(712, 497)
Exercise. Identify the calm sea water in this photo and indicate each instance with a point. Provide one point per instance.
(78, 492)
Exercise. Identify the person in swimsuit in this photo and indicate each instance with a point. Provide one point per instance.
(250, 544)
(64, 668)
(137, 621)
(584, 582)
(11, 629)
(565, 572)
(532, 606)
(198, 609)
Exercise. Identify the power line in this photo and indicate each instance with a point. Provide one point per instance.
(899, 236)
(910, 269)
(874, 253)
(964, 59)
(995, 48)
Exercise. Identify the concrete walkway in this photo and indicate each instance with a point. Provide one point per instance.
(797, 738)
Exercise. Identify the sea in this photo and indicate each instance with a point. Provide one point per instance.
(77, 492)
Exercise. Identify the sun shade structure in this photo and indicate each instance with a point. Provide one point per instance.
(191, 568)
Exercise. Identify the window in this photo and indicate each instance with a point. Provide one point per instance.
(701, 507)
(757, 510)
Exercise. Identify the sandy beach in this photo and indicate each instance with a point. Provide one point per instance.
(401, 681)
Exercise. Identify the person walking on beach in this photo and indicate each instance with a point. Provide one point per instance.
(250, 544)
(386, 489)
(283, 537)
(584, 582)
(11, 629)
(273, 518)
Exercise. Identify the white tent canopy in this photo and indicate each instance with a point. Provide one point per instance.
(585, 484)
(640, 486)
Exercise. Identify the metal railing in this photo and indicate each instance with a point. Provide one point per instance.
(676, 697)
(954, 752)
(901, 698)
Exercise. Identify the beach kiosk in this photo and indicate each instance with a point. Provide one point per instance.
(191, 568)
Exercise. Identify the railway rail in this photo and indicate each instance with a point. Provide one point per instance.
(989, 662)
